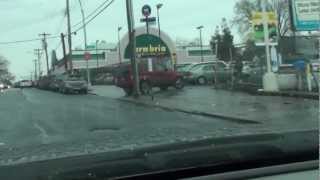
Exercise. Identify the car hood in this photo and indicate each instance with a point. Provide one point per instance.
(219, 153)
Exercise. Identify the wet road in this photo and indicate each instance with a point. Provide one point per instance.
(36, 125)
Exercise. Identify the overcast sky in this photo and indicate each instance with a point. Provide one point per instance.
(25, 19)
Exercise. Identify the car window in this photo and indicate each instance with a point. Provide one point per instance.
(207, 68)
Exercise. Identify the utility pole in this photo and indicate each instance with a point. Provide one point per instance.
(38, 54)
(69, 36)
(119, 45)
(45, 47)
(65, 59)
(97, 56)
(35, 70)
(132, 45)
(85, 41)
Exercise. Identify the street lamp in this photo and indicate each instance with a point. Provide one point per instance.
(201, 45)
(85, 41)
(119, 48)
(158, 15)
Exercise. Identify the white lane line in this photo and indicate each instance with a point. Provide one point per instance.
(43, 132)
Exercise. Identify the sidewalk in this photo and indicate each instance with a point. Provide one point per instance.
(232, 106)
(296, 94)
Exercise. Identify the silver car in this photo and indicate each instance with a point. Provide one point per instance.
(203, 73)
(70, 84)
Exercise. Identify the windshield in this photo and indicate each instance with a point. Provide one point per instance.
(80, 78)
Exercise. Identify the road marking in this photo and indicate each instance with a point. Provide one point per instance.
(43, 132)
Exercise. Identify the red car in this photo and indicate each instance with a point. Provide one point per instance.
(160, 77)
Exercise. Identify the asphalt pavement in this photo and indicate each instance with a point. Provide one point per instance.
(37, 125)
(230, 105)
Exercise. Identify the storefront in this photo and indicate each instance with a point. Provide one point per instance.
(157, 53)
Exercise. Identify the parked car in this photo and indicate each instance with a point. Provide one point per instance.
(2, 86)
(54, 82)
(252, 76)
(25, 84)
(181, 67)
(71, 83)
(203, 73)
(103, 79)
(44, 82)
(160, 77)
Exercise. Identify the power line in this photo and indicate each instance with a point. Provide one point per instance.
(91, 19)
(19, 41)
(26, 41)
(92, 13)
(58, 36)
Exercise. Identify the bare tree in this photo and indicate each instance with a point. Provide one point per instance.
(5, 75)
(244, 10)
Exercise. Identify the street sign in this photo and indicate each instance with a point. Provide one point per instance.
(87, 56)
(146, 10)
(149, 20)
(91, 46)
(305, 15)
(258, 31)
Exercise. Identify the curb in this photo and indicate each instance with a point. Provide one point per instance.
(289, 94)
(215, 115)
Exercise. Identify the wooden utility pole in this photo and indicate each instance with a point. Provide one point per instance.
(69, 36)
(35, 70)
(45, 47)
(38, 54)
(132, 43)
(65, 59)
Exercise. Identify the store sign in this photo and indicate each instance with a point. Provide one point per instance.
(148, 45)
(258, 30)
(305, 15)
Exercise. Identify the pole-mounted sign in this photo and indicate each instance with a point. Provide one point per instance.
(87, 56)
(146, 10)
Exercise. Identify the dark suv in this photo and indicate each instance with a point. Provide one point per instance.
(159, 77)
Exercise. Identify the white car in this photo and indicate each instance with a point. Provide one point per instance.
(25, 84)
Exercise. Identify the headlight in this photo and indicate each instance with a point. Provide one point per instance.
(1, 86)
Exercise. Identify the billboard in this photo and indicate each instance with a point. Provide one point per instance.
(258, 30)
(148, 45)
(305, 15)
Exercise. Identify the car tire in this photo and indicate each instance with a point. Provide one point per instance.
(202, 81)
(85, 91)
(145, 87)
(64, 91)
(179, 84)
(128, 91)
